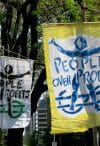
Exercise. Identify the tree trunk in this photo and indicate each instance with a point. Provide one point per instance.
(16, 42)
(15, 137)
(34, 34)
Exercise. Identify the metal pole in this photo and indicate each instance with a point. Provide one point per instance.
(54, 143)
(83, 14)
(54, 137)
(60, 140)
(83, 11)
(95, 137)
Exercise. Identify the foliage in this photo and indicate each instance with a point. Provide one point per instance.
(35, 138)
(93, 11)
(59, 11)
(47, 138)
(30, 139)
(50, 11)
(2, 15)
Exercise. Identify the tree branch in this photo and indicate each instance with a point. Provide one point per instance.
(84, 7)
(38, 90)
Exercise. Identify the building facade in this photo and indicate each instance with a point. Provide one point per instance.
(42, 116)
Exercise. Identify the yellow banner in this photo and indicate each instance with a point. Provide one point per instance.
(72, 59)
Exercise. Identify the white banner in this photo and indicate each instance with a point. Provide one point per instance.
(15, 89)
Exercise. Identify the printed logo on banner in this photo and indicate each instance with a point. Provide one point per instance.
(76, 75)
